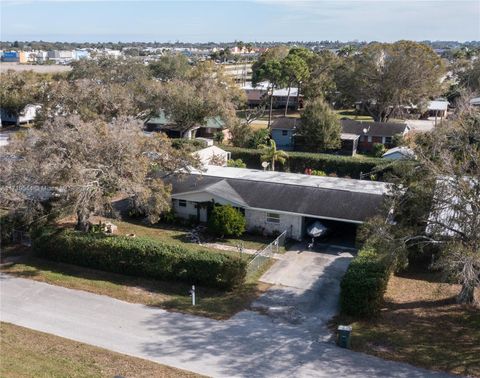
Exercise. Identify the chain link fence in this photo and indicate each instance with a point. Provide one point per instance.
(264, 255)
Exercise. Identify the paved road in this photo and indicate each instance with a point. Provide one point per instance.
(247, 345)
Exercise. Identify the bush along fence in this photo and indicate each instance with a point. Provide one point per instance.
(142, 257)
(364, 284)
(297, 162)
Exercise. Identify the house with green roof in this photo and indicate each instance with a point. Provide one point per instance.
(165, 124)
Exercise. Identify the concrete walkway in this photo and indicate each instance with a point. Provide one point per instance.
(247, 345)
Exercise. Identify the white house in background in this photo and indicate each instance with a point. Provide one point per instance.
(274, 202)
(399, 153)
(26, 116)
(438, 109)
(213, 155)
(475, 101)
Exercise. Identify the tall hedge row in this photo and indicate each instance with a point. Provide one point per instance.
(364, 284)
(297, 162)
(142, 257)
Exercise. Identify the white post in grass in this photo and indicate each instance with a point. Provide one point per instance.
(192, 293)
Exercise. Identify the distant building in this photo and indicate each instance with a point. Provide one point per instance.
(355, 135)
(260, 93)
(26, 116)
(283, 131)
(10, 56)
(163, 123)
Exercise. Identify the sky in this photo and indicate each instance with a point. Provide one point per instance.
(248, 21)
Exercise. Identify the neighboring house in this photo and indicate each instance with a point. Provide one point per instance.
(213, 155)
(370, 133)
(169, 127)
(399, 153)
(475, 101)
(283, 130)
(26, 116)
(355, 135)
(274, 202)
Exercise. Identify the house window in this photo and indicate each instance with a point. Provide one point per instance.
(182, 203)
(388, 140)
(284, 132)
(273, 218)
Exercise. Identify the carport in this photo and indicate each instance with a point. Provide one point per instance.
(341, 233)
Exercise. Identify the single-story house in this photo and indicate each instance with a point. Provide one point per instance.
(397, 153)
(25, 117)
(163, 123)
(273, 202)
(283, 130)
(355, 135)
(371, 133)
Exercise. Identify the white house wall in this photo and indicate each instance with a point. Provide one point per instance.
(257, 221)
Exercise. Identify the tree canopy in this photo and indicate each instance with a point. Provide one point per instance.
(387, 76)
(320, 128)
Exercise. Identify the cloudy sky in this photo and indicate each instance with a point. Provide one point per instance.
(260, 20)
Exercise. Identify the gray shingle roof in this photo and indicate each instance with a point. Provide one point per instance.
(387, 129)
(308, 200)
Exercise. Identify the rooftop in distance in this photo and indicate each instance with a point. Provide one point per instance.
(350, 185)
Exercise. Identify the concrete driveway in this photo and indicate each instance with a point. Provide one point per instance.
(306, 287)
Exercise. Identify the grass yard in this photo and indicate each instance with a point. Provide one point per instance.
(351, 114)
(421, 324)
(168, 295)
(174, 234)
(29, 353)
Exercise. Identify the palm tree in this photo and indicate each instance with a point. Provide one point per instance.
(271, 154)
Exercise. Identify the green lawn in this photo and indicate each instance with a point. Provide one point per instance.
(173, 296)
(29, 353)
(173, 234)
(351, 114)
(422, 325)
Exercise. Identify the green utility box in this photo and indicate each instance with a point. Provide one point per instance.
(343, 336)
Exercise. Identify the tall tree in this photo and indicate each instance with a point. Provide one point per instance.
(295, 70)
(206, 92)
(388, 76)
(437, 203)
(321, 82)
(18, 89)
(320, 128)
(271, 155)
(169, 67)
(86, 164)
(272, 71)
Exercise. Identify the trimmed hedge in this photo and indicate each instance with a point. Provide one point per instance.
(364, 284)
(142, 257)
(297, 162)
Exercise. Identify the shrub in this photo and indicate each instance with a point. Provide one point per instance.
(238, 163)
(378, 150)
(142, 257)
(226, 221)
(364, 284)
(297, 162)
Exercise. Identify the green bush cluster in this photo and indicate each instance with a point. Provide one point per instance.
(142, 257)
(297, 162)
(225, 220)
(364, 284)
